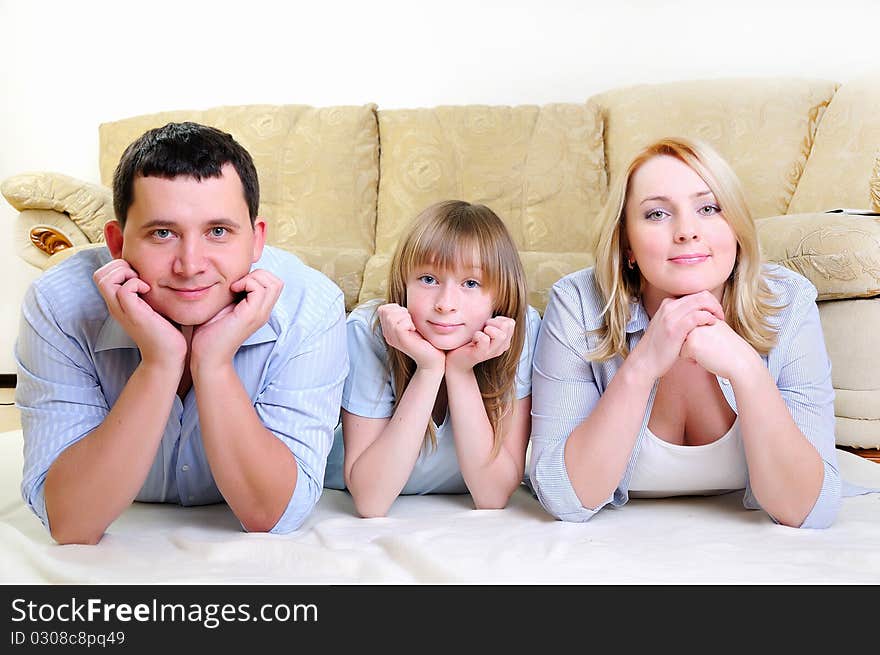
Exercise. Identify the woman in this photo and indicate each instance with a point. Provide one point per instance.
(680, 364)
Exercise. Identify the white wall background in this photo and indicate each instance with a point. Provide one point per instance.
(67, 66)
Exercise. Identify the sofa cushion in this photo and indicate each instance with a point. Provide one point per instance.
(838, 171)
(838, 253)
(318, 167)
(541, 169)
(855, 370)
(763, 127)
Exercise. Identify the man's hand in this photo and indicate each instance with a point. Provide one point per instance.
(400, 332)
(159, 341)
(491, 341)
(215, 342)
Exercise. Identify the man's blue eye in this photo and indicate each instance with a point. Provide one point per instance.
(218, 231)
(163, 233)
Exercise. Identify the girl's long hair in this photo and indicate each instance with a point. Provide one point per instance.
(446, 235)
(747, 299)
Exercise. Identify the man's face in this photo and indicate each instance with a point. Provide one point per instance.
(189, 240)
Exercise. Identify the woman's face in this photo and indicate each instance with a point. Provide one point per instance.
(676, 232)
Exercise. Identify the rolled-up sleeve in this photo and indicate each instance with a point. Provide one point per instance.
(804, 382)
(564, 392)
(57, 392)
(300, 405)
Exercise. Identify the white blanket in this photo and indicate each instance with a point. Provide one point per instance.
(441, 539)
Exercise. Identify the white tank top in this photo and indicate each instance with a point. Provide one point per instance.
(666, 469)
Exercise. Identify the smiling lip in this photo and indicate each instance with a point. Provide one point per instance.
(444, 328)
(689, 259)
(194, 293)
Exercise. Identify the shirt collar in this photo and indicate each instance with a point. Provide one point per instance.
(112, 336)
(638, 318)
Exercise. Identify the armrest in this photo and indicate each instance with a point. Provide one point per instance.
(874, 183)
(59, 214)
(838, 253)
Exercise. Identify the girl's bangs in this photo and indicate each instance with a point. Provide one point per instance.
(447, 250)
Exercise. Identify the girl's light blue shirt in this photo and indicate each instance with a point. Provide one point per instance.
(369, 392)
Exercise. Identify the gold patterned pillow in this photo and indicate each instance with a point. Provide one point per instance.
(875, 183)
(839, 253)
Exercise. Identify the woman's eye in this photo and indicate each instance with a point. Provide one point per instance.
(472, 284)
(655, 215)
(218, 231)
(427, 279)
(708, 210)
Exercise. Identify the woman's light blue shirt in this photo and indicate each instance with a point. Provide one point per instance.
(567, 386)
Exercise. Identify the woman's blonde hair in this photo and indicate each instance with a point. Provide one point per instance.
(747, 300)
(445, 235)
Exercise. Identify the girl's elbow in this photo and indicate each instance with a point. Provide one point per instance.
(369, 508)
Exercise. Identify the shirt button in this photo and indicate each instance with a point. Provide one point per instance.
(725, 381)
(184, 468)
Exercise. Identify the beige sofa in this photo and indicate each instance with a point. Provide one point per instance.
(339, 183)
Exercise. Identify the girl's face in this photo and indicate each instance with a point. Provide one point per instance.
(676, 232)
(448, 306)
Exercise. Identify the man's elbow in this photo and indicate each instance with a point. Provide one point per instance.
(72, 534)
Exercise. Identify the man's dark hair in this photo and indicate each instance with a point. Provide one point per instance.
(187, 149)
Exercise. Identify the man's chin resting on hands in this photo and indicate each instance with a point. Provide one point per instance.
(188, 362)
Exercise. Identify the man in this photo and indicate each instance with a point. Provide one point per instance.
(186, 363)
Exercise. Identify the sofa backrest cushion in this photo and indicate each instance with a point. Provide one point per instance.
(765, 128)
(541, 169)
(838, 173)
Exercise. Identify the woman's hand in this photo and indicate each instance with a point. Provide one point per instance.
(719, 350)
(674, 320)
(400, 332)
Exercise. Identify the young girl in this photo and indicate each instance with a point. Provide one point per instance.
(437, 399)
(679, 364)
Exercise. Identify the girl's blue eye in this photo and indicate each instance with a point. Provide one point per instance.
(655, 215)
(709, 210)
(218, 231)
(427, 279)
(472, 284)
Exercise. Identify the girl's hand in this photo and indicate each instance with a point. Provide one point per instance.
(719, 350)
(491, 341)
(400, 332)
(662, 342)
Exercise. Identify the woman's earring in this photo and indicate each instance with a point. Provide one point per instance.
(629, 262)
